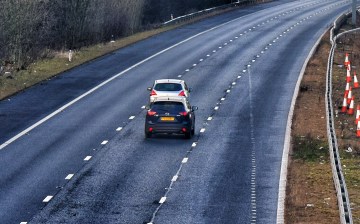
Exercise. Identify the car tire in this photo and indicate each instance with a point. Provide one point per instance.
(193, 131)
(188, 135)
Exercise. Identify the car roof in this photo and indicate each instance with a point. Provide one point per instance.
(169, 81)
(170, 99)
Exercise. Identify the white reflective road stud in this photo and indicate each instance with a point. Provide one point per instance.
(87, 158)
(48, 198)
(162, 200)
(174, 178)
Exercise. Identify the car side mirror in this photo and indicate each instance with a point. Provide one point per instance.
(193, 108)
(149, 88)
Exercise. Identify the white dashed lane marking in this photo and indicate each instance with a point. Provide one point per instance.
(131, 118)
(104, 142)
(68, 177)
(119, 129)
(209, 118)
(185, 160)
(202, 130)
(194, 144)
(87, 158)
(47, 199)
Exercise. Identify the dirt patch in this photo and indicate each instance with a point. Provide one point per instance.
(310, 193)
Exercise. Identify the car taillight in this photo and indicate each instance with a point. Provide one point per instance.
(182, 93)
(153, 93)
(151, 113)
(183, 113)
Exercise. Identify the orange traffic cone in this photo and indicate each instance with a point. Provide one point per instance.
(344, 106)
(349, 96)
(358, 130)
(356, 83)
(347, 88)
(346, 59)
(357, 114)
(351, 108)
(348, 75)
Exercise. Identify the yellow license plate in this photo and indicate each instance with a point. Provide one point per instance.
(167, 118)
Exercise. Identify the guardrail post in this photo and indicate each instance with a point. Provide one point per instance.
(354, 12)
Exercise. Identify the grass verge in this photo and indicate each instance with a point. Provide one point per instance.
(310, 193)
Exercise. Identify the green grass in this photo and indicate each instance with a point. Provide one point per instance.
(309, 149)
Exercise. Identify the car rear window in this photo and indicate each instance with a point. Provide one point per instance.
(168, 107)
(168, 87)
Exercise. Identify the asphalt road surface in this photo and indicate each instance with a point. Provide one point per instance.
(85, 158)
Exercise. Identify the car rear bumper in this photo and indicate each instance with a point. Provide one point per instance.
(177, 128)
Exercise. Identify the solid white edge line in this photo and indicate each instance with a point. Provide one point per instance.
(285, 157)
(48, 198)
(11, 140)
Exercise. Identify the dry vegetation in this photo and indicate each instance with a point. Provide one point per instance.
(21, 69)
(311, 196)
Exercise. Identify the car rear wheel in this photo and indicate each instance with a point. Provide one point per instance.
(193, 131)
(189, 134)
